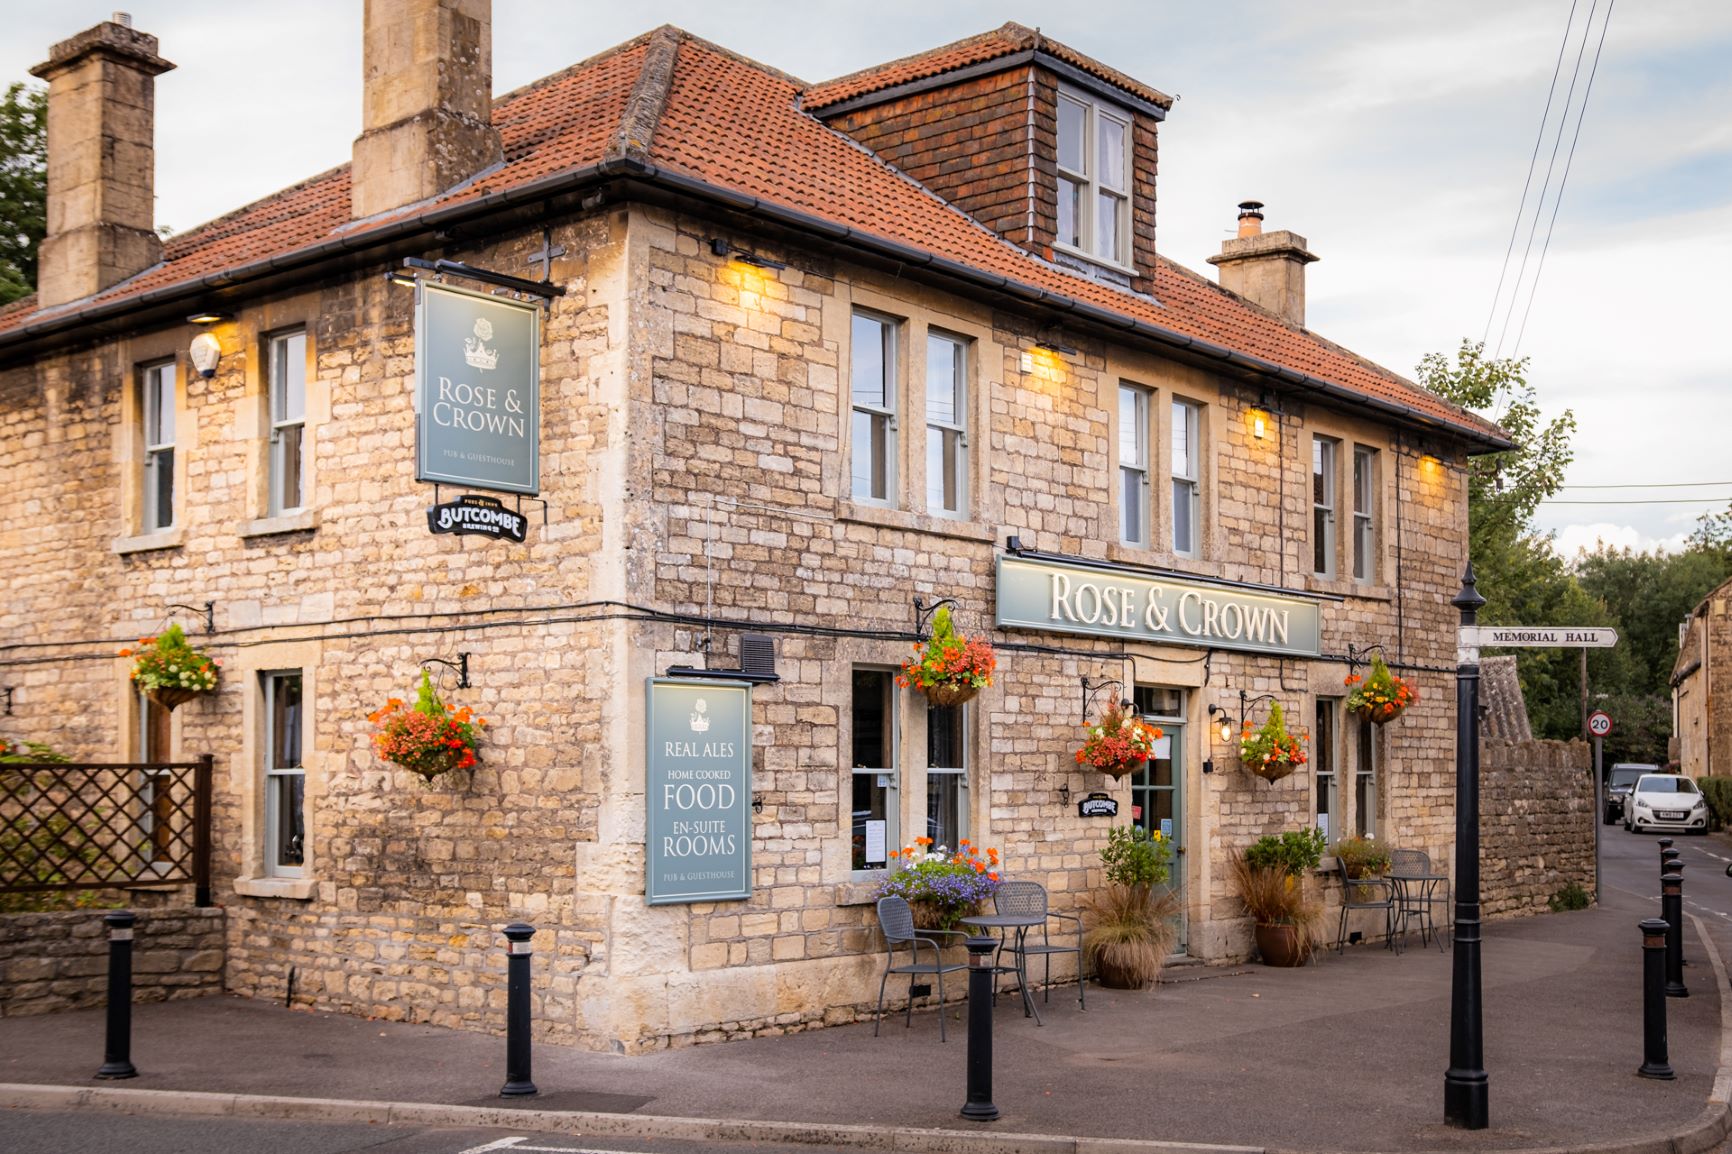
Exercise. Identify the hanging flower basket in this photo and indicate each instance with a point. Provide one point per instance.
(428, 737)
(1117, 744)
(948, 667)
(1271, 752)
(169, 671)
(1380, 697)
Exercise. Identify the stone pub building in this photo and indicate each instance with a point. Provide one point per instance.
(817, 352)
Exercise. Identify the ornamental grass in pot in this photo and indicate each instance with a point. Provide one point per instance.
(1380, 696)
(1131, 921)
(1269, 878)
(948, 667)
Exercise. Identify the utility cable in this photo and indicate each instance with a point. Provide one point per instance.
(1655, 485)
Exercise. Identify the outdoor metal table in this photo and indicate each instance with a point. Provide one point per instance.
(1408, 904)
(1021, 923)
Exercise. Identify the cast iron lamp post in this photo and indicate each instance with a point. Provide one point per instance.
(1465, 1083)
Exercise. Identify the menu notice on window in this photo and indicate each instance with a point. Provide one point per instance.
(875, 843)
(698, 800)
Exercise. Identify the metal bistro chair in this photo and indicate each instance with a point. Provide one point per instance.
(896, 921)
(1353, 898)
(1417, 890)
(1028, 899)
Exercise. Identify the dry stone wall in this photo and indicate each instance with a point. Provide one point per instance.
(1536, 823)
(59, 961)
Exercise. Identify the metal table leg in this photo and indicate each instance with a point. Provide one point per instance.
(1028, 1005)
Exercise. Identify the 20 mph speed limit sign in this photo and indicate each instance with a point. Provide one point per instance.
(1599, 723)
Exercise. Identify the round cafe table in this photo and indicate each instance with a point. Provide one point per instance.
(1020, 924)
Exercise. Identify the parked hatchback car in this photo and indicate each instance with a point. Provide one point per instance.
(1618, 783)
(1666, 801)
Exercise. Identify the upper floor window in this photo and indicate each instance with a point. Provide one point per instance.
(1187, 477)
(1323, 465)
(1094, 178)
(286, 357)
(946, 425)
(872, 385)
(156, 408)
(1133, 465)
(1364, 502)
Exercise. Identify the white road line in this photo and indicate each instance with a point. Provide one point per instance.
(517, 1144)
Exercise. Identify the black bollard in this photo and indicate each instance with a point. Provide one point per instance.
(1673, 865)
(518, 950)
(1668, 859)
(979, 1107)
(1665, 844)
(1672, 911)
(1654, 1063)
(117, 1048)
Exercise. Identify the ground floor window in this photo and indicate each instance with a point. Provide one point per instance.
(285, 777)
(1324, 755)
(873, 713)
(1365, 782)
(946, 774)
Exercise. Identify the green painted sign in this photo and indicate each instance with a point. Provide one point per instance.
(477, 390)
(698, 800)
(1098, 602)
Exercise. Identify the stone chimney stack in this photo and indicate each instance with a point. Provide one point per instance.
(427, 104)
(101, 161)
(1266, 268)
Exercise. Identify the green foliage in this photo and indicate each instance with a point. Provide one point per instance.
(23, 186)
(1134, 858)
(1571, 897)
(12, 753)
(1364, 857)
(1717, 791)
(1295, 853)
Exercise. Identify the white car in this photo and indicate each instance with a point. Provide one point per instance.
(1666, 801)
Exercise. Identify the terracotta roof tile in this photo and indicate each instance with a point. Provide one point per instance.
(735, 124)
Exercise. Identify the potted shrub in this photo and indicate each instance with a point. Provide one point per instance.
(1269, 878)
(1119, 743)
(1362, 857)
(1271, 752)
(429, 737)
(1380, 697)
(1130, 922)
(940, 887)
(169, 670)
(948, 667)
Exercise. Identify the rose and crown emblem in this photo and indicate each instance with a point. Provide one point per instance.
(700, 723)
(475, 350)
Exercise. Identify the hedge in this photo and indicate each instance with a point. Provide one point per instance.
(1718, 791)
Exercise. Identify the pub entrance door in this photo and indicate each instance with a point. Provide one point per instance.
(1158, 792)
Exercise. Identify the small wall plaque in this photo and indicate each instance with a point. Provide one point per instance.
(1098, 805)
(470, 513)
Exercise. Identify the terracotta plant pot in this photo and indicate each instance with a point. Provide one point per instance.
(1280, 945)
(944, 696)
(168, 698)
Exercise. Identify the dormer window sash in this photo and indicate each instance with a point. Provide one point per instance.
(1094, 179)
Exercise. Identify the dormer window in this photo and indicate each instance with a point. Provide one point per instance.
(1094, 178)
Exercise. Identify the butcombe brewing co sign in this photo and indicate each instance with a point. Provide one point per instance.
(474, 515)
(1059, 597)
(699, 795)
(477, 390)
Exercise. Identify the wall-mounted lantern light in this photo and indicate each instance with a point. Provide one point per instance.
(209, 317)
(724, 249)
(1259, 424)
(205, 352)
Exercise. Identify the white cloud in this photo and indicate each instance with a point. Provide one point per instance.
(1572, 539)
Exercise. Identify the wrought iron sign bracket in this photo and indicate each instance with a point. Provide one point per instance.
(1246, 703)
(923, 612)
(546, 290)
(208, 612)
(1357, 657)
(460, 666)
(1093, 689)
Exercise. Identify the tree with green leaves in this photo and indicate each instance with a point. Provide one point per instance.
(23, 186)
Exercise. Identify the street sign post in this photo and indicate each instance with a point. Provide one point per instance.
(1538, 637)
(1600, 723)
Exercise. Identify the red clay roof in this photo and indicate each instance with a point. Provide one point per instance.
(736, 125)
(1005, 40)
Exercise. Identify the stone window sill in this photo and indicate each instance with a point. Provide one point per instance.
(858, 893)
(1337, 587)
(883, 518)
(299, 521)
(149, 542)
(295, 889)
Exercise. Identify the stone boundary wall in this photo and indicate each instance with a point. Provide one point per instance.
(59, 961)
(1536, 823)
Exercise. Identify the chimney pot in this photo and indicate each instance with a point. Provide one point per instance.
(124, 19)
(1267, 269)
(1250, 218)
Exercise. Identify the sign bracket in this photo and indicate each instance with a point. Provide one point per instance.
(461, 666)
(546, 290)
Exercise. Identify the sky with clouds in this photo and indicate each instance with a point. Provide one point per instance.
(1394, 137)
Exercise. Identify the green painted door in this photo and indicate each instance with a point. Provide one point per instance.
(1158, 792)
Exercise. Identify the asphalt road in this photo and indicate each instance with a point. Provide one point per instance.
(95, 1132)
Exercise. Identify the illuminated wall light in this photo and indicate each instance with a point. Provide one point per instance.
(1259, 423)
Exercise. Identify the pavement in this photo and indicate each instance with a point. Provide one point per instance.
(1347, 1054)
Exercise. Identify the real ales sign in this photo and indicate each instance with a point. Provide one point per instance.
(477, 390)
(699, 800)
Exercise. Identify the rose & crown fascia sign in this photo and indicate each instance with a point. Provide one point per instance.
(477, 390)
(1098, 602)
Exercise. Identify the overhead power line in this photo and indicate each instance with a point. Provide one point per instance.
(1649, 501)
(1654, 485)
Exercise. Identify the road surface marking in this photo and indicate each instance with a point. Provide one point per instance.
(517, 1144)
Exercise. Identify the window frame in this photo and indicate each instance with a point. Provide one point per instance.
(1193, 480)
(157, 381)
(963, 396)
(1090, 181)
(893, 792)
(1365, 780)
(1327, 722)
(1142, 415)
(277, 346)
(1365, 487)
(1325, 539)
(965, 797)
(891, 346)
(270, 773)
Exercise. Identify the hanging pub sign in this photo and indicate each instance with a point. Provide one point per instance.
(1098, 805)
(698, 801)
(474, 515)
(1068, 597)
(477, 390)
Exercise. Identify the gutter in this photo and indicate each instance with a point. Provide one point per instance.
(631, 168)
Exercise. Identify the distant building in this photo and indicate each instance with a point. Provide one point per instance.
(1701, 677)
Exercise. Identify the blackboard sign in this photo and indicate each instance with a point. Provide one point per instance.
(1097, 805)
(477, 389)
(471, 514)
(699, 799)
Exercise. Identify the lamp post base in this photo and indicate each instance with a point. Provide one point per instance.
(1467, 1099)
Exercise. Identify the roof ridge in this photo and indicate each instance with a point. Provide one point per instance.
(649, 95)
(1009, 32)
